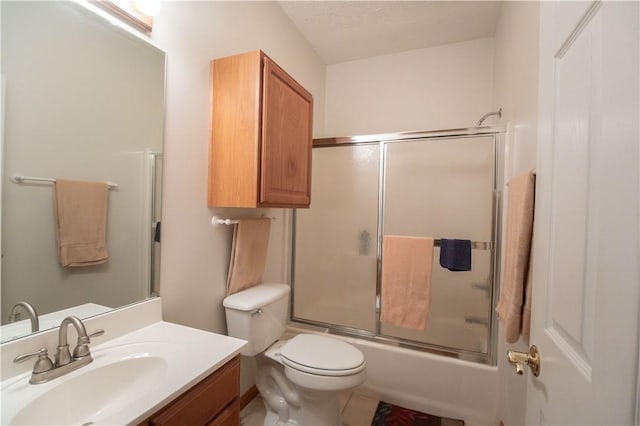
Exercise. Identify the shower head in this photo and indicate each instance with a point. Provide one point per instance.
(489, 114)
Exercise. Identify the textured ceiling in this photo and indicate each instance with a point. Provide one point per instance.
(341, 31)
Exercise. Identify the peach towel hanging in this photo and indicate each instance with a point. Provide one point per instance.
(514, 306)
(248, 254)
(81, 222)
(406, 281)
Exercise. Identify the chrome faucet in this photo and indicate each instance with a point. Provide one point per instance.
(45, 370)
(63, 356)
(14, 315)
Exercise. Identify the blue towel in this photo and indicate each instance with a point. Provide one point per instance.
(455, 255)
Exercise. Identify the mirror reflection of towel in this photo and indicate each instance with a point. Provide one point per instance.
(406, 281)
(248, 254)
(81, 222)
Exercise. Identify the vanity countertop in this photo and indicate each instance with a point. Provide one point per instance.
(156, 364)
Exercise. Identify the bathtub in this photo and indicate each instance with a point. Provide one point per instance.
(435, 384)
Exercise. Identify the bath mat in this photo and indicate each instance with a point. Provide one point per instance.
(392, 415)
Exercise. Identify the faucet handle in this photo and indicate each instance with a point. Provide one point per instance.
(83, 340)
(96, 333)
(82, 349)
(43, 363)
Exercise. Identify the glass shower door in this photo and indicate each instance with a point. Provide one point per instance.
(335, 251)
(444, 188)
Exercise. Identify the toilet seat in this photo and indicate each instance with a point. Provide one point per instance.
(322, 356)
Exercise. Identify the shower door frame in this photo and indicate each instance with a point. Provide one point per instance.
(498, 133)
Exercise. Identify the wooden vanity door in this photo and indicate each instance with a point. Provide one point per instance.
(287, 111)
(212, 402)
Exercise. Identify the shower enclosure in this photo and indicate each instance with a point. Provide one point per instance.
(443, 184)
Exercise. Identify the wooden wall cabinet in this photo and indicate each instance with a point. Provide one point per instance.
(261, 128)
(213, 402)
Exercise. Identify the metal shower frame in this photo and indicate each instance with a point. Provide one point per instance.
(498, 133)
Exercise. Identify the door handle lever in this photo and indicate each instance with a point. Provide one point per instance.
(520, 359)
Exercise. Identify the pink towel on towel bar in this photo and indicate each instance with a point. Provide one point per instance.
(406, 281)
(248, 254)
(514, 306)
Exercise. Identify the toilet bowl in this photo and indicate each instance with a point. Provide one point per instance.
(315, 368)
(319, 362)
(299, 379)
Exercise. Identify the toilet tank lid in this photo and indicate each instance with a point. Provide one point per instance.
(256, 297)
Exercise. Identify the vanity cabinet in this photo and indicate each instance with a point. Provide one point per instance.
(261, 128)
(213, 401)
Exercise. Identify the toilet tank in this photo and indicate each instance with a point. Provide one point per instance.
(257, 315)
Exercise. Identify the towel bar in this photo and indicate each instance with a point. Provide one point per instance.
(215, 220)
(476, 245)
(22, 179)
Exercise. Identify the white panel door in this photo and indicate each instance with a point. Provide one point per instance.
(586, 241)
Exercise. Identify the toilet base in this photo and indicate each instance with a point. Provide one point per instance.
(272, 419)
(316, 408)
(289, 404)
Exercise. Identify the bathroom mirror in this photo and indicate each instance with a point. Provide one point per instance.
(83, 100)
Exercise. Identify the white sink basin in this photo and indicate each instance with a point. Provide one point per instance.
(130, 378)
(70, 403)
(115, 377)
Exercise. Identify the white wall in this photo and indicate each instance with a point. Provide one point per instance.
(195, 256)
(442, 87)
(516, 91)
(515, 80)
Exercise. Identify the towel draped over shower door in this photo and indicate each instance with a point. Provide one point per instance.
(514, 305)
(406, 281)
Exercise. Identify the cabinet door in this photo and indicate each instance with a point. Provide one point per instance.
(286, 140)
(235, 128)
(200, 404)
(229, 417)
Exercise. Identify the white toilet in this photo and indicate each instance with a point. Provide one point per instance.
(316, 368)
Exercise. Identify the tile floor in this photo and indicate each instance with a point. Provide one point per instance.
(357, 410)
(253, 414)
